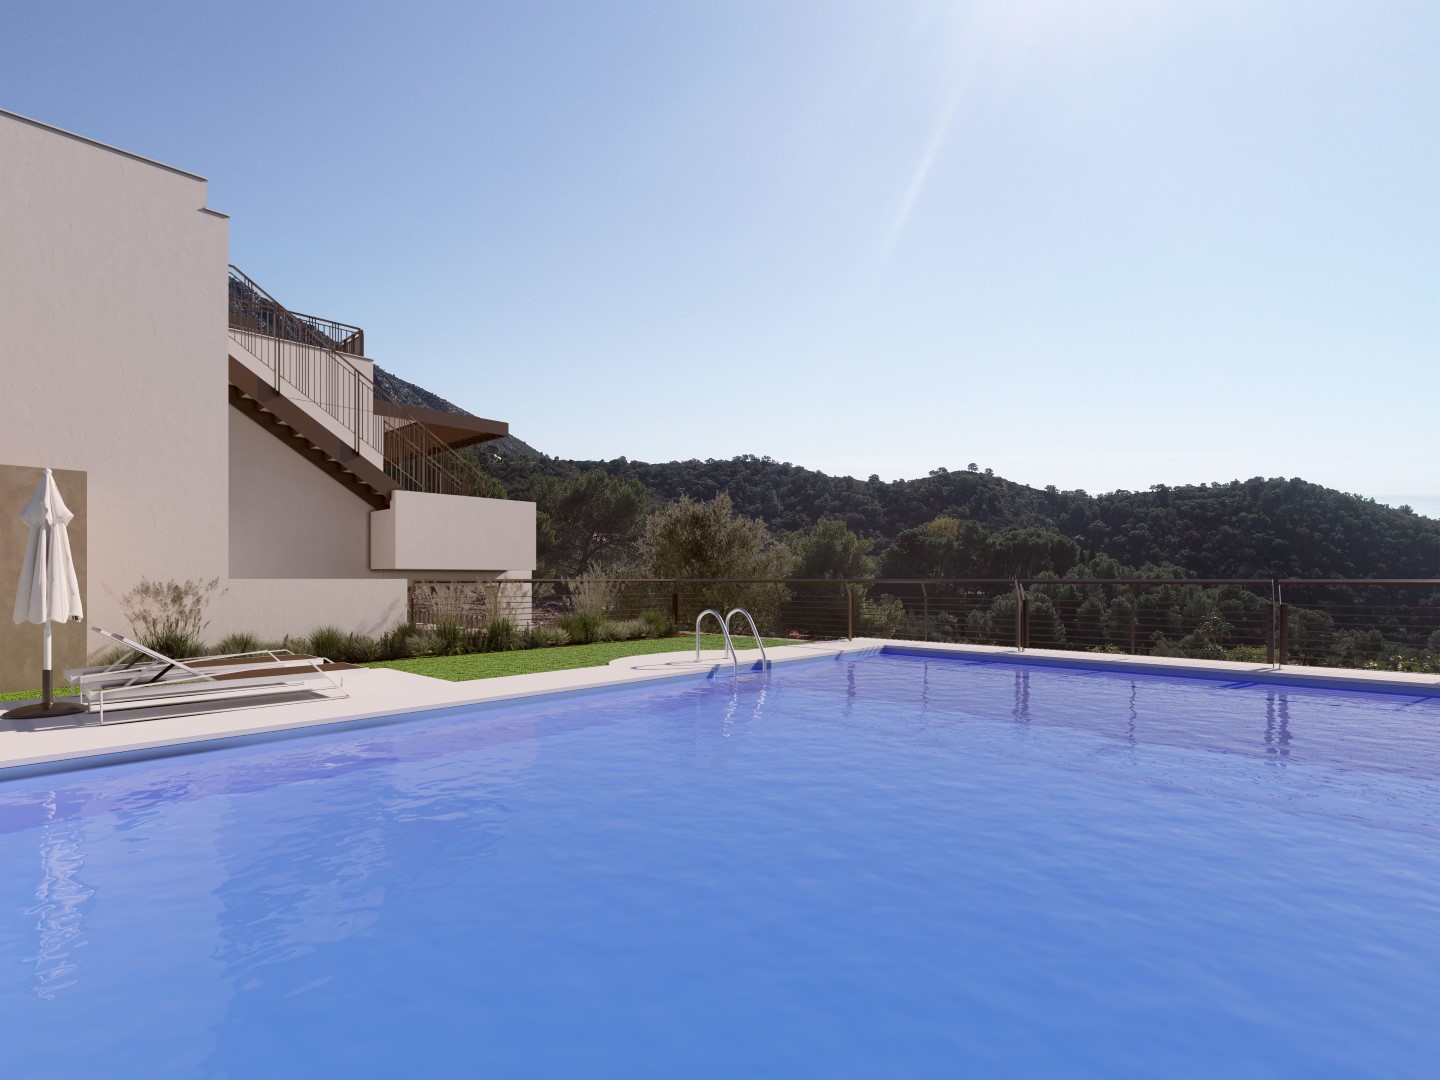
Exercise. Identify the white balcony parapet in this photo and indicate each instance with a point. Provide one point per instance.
(459, 533)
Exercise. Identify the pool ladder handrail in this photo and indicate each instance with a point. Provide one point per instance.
(724, 629)
(764, 660)
(730, 650)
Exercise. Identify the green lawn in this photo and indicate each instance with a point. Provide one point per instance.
(558, 658)
(26, 695)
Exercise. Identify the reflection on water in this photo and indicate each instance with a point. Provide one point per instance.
(727, 722)
(1277, 724)
(1130, 721)
(1022, 696)
(59, 905)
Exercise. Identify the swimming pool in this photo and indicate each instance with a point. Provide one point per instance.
(891, 865)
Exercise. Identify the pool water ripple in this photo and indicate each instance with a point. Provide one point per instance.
(893, 865)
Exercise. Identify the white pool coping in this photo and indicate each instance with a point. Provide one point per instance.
(384, 693)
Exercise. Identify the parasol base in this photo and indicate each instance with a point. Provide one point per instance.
(39, 710)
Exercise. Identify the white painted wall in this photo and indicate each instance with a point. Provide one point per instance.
(288, 519)
(113, 347)
(273, 608)
(433, 533)
(112, 343)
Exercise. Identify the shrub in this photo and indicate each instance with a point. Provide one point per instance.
(626, 629)
(239, 642)
(169, 616)
(419, 641)
(326, 641)
(394, 642)
(1250, 654)
(501, 635)
(450, 636)
(543, 637)
(584, 627)
(593, 594)
(881, 618)
(447, 601)
(175, 643)
(658, 623)
(359, 649)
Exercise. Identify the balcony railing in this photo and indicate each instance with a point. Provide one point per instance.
(419, 460)
(251, 307)
(299, 353)
(1365, 623)
(307, 354)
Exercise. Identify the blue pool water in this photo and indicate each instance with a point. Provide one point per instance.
(880, 867)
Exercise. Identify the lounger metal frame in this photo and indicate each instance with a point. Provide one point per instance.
(162, 678)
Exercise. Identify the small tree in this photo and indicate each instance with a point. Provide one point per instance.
(590, 519)
(831, 550)
(691, 539)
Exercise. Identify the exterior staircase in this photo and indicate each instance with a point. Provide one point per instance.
(307, 382)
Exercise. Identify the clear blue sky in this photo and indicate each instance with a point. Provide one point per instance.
(1096, 243)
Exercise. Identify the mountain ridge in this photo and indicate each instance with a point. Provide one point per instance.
(1258, 527)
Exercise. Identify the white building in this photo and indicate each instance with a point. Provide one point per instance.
(220, 434)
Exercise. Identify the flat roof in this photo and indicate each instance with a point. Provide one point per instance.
(103, 146)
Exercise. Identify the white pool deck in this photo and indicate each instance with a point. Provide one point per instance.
(79, 740)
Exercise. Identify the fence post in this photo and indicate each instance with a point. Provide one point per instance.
(675, 603)
(1270, 624)
(925, 613)
(849, 611)
(1280, 614)
(1020, 604)
(1134, 618)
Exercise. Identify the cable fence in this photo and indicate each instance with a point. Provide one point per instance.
(1379, 624)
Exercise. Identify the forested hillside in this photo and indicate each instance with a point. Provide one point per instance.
(1244, 528)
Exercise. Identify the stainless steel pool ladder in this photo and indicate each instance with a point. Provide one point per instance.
(729, 645)
(724, 622)
(764, 660)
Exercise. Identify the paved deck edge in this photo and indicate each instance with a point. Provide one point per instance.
(373, 701)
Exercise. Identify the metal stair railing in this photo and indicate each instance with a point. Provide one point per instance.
(415, 457)
(301, 355)
(419, 460)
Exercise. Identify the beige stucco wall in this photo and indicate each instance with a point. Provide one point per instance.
(112, 342)
(299, 547)
(272, 608)
(287, 518)
(113, 346)
(21, 646)
(434, 533)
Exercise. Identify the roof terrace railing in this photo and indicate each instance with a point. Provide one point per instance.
(260, 311)
(300, 354)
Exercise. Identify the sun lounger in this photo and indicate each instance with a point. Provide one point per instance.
(151, 677)
(142, 663)
(141, 657)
